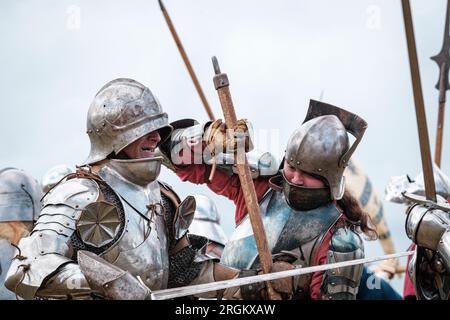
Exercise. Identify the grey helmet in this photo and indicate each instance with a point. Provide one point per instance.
(20, 196)
(123, 111)
(321, 145)
(54, 175)
(398, 185)
(206, 221)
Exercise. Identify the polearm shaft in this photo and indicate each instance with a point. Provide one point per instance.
(443, 61)
(221, 84)
(441, 113)
(427, 167)
(220, 285)
(186, 61)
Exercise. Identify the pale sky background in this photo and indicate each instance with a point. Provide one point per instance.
(56, 54)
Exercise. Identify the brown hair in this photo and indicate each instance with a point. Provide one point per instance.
(357, 216)
(15, 230)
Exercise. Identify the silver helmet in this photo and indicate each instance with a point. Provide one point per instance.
(54, 175)
(398, 185)
(321, 145)
(206, 221)
(123, 111)
(20, 196)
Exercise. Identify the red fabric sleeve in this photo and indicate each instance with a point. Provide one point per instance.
(222, 184)
(319, 259)
(408, 288)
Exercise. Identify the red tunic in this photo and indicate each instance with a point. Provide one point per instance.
(229, 186)
(408, 289)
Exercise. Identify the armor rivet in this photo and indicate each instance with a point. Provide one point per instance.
(87, 199)
(73, 216)
(298, 162)
(40, 235)
(97, 130)
(320, 169)
(292, 159)
(330, 297)
(60, 230)
(103, 124)
(67, 224)
(42, 252)
(77, 206)
(333, 283)
(106, 285)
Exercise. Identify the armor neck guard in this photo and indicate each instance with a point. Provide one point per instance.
(138, 171)
(136, 195)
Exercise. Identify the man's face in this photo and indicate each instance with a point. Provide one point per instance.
(143, 147)
(301, 178)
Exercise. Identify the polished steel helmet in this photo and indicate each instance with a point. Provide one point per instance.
(20, 196)
(206, 221)
(54, 175)
(321, 145)
(123, 111)
(398, 185)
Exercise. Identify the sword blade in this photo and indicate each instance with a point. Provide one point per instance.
(213, 286)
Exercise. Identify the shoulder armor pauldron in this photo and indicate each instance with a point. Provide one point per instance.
(48, 246)
(63, 205)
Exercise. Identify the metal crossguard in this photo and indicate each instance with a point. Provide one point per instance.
(213, 286)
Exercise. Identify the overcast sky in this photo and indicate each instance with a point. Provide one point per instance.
(56, 54)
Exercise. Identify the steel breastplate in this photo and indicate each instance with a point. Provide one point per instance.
(142, 249)
(286, 229)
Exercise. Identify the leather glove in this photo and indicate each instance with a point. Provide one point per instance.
(284, 286)
(258, 291)
(218, 140)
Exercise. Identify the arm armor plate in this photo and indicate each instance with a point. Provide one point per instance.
(48, 250)
(430, 228)
(261, 163)
(343, 283)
